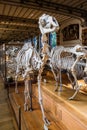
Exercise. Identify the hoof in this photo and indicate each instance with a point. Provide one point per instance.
(47, 123)
(45, 127)
(71, 98)
(30, 109)
(26, 108)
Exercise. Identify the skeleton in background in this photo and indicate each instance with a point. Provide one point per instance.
(66, 59)
(11, 53)
(84, 50)
(28, 60)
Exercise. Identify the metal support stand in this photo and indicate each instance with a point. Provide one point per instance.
(30, 93)
(60, 76)
(19, 118)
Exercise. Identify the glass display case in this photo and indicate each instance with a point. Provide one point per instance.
(3, 61)
(11, 54)
(84, 37)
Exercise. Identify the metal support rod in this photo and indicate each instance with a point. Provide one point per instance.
(30, 92)
(60, 77)
(19, 125)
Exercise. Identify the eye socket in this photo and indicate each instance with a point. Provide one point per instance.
(85, 48)
(43, 22)
(54, 20)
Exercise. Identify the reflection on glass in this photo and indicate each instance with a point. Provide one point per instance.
(52, 39)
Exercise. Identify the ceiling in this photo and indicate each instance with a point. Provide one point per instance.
(19, 18)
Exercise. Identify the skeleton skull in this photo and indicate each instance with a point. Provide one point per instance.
(48, 24)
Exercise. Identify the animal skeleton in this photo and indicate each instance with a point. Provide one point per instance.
(29, 60)
(66, 58)
(11, 53)
(56, 58)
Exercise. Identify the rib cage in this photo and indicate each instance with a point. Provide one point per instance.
(61, 58)
(28, 59)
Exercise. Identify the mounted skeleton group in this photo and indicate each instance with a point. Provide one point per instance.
(11, 53)
(59, 58)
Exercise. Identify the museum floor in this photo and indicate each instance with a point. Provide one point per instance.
(62, 113)
(7, 121)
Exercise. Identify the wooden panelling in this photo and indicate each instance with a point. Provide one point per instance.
(73, 114)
